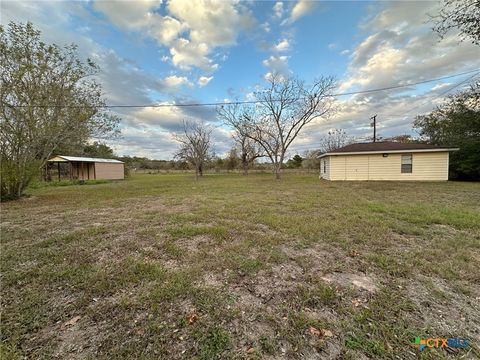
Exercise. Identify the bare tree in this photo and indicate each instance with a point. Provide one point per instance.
(311, 160)
(282, 110)
(250, 150)
(335, 139)
(195, 144)
(461, 15)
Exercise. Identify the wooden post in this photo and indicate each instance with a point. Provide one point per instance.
(374, 125)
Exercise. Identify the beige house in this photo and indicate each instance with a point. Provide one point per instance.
(386, 161)
(86, 168)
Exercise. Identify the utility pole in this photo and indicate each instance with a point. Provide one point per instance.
(374, 125)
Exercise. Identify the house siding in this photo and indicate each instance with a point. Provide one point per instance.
(109, 171)
(425, 166)
(325, 165)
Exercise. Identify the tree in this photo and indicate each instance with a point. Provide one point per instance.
(99, 150)
(195, 145)
(250, 150)
(402, 139)
(456, 123)
(311, 159)
(231, 162)
(335, 139)
(282, 110)
(295, 162)
(461, 15)
(48, 100)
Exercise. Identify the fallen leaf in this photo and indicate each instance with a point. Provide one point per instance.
(192, 318)
(314, 331)
(327, 333)
(250, 350)
(72, 321)
(356, 302)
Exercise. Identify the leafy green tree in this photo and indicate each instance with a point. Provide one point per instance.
(456, 123)
(99, 150)
(295, 162)
(48, 100)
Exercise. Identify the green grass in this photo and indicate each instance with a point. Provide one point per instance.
(251, 257)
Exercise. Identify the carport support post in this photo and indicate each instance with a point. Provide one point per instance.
(58, 167)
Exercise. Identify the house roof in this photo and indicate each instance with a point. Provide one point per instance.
(386, 147)
(63, 158)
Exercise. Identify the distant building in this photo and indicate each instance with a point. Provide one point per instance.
(86, 168)
(386, 160)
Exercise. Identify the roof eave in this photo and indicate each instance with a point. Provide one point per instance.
(387, 152)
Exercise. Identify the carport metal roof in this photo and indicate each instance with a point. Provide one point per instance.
(63, 158)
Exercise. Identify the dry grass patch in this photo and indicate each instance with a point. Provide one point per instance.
(161, 266)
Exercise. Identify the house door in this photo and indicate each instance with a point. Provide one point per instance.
(356, 167)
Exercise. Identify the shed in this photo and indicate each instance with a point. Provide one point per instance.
(87, 168)
(386, 160)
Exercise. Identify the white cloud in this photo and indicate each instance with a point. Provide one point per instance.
(148, 141)
(278, 9)
(186, 54)
(332, 46)
(173, 82)
(345, 52)
(441, 86)
(191, 29)
(149, 131)
(129, 14)
(215, 23)
(277, 63)
(282, 45)
(399, 47)
(166, 29)
(266, 27)
(204, 80)
(301, 8)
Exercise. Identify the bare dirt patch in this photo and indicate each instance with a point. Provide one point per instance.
(358, 281)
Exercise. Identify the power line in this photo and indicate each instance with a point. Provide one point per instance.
(393, 87)
(309, 147)
(436, 96)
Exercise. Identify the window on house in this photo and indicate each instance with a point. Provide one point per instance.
(407, 164)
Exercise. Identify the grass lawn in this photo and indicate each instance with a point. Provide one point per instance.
(161, 266)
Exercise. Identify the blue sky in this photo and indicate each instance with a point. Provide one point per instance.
(177, 51)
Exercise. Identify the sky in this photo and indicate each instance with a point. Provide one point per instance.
(181, 51)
